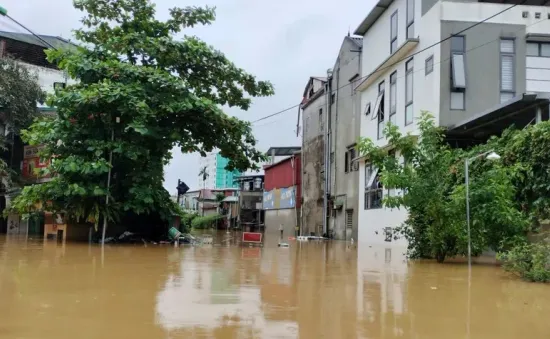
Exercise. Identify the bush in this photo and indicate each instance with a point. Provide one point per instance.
(530, 261)
(187, 220)
(206, 221)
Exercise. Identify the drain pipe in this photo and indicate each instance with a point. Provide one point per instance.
(328, 93)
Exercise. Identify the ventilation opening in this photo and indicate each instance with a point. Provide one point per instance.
(349, 218)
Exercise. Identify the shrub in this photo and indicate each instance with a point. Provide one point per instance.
(530, 261)
(206, 221)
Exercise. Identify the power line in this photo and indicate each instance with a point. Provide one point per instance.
(437, 63)
(31, 32)
(404, 59)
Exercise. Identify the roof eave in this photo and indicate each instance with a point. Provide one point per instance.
(372, 17)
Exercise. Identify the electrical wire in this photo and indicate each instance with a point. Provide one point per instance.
(403, 59)
(441, 61)
(31, 32)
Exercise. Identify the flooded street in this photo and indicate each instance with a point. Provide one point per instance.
(310, 290)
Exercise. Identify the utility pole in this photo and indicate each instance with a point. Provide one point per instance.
(104, 231)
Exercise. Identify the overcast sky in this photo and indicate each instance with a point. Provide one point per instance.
(283, 41)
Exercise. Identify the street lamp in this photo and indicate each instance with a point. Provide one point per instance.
(489, 155)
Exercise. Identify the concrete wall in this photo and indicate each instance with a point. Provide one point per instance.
(312, 165)
(482, 66)
(286, 217)
(344, 131)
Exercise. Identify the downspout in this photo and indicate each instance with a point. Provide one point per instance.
(336, 135)
(302, 217)
(328, 92)
(293, 163)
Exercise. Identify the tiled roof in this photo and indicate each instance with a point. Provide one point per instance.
(55, 41)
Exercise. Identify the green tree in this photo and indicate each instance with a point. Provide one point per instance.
(430, 176)
(19, 94)
(150, 92)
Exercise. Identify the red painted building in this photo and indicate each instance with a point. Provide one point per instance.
(282, 175)
(283, 191)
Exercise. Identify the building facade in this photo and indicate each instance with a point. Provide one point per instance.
(282, 195)
(476, 76)
(218, 177)
(314, 119)
(29, 51)
(343, 131)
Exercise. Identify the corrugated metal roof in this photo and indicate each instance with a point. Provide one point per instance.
(55, 41)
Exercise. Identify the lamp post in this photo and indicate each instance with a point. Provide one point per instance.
(490, 155)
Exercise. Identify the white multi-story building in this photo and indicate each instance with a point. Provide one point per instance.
(426, 55)
(208, 162)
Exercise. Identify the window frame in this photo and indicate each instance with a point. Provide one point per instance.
(392, 37)
(381, 114)
(409, 71)
(367, 109)
(426, 68)
(373, 195)
(393, 84)
(410, 20)
(321, 124)
(539, 49)
(514, 75)
(462, 91)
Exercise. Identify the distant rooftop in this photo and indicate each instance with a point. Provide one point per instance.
(283, 151)
(55, 41)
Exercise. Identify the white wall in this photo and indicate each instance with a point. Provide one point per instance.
(47, 76)
(538, 74)
(425, 97)
(210, 162)
(476, 11)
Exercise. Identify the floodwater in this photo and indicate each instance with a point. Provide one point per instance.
(310, 290)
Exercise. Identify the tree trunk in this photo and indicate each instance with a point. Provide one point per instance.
(440, 257)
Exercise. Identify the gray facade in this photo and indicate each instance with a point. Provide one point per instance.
(482, 67)
(314, 110)
(344, 131)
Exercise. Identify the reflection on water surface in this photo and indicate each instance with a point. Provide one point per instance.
(310, 290)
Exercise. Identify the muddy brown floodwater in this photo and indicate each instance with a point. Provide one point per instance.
(310, 290)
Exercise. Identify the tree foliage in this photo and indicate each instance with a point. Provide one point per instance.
(430, 177)
(139, 93)
(19, 94)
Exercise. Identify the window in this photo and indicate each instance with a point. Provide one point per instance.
(388, 234)
(507, 74)
(321, 126)
(410, 19)
(379, 108)
(393, 33)
(332, 98)
(538, 49)
(367, 109)
(409, 92)
(346, 162)
(350, 165)
(429, 67)
(393, 97)
(458, 72)
(373, 188)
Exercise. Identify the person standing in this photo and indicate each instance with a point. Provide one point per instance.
(281, 231)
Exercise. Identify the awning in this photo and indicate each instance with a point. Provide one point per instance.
(519, 111)
(231, 199)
